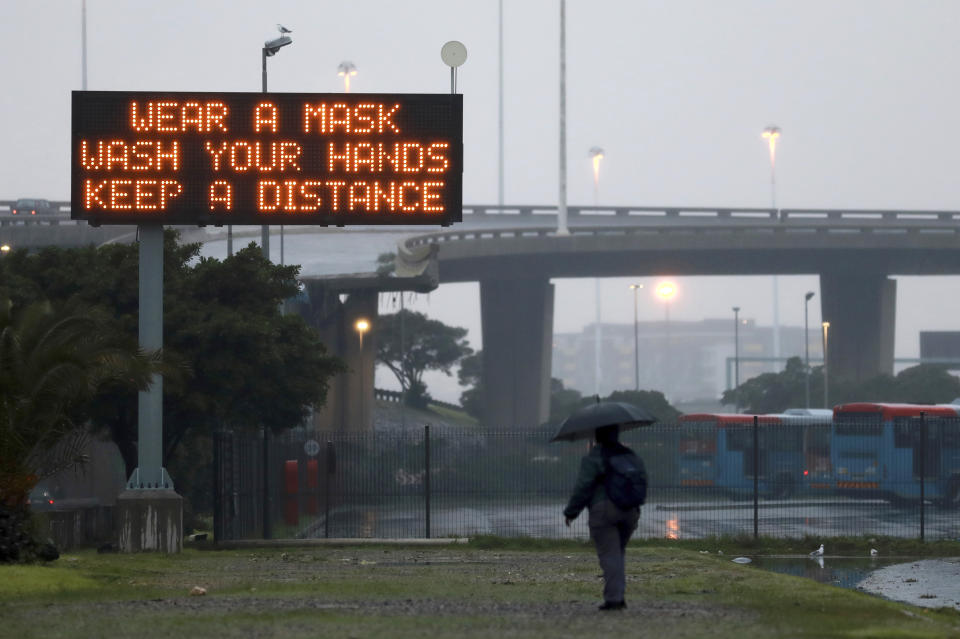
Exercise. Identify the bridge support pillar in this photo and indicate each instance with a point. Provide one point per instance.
(517, 323)
(349, 405)
(861, 309)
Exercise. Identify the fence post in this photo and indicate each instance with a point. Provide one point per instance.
(217, 487)
(426, 478)
(267, 533)
(756, 478)
(923, 472)
(330, 468)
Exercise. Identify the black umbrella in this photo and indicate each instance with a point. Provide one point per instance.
(583, 422)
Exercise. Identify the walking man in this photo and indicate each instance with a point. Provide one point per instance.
(612, 484)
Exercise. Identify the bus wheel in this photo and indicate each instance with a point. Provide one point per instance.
(783, 487)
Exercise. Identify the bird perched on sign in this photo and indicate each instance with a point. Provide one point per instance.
(283, 30)
(818, 552)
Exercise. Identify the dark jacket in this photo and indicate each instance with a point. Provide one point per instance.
(589, 487)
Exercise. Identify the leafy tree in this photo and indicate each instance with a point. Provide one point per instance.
(775, 392)
(52, 365)
(653, 401)
(563, 401)
(470, 374)
(234, 361)
(427, 344)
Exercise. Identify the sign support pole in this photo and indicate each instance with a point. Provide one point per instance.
(150, 472)
(150, 513)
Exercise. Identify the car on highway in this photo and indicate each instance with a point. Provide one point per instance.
(32, 206)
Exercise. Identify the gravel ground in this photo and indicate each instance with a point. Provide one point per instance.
(232, 586)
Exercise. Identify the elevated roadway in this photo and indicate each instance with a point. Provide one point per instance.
(514, 251)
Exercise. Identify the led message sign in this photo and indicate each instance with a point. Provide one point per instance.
(262, 158)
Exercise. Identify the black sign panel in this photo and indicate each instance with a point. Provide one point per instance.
(266, 158)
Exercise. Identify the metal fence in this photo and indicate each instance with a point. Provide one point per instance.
(814, 479)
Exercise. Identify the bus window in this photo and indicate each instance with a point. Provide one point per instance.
(783, 439)
(739, 439)
(950, 430)
(906, 431)
(859, 424)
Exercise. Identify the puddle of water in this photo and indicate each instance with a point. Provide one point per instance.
(845, 572)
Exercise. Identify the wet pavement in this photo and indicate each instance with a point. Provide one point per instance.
(931, 583)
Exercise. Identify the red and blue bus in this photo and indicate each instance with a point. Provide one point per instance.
(715, 450)
(878, 450)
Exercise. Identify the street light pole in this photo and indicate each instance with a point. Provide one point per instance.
(666, 291)
(826, 379)
(270, 48)
(806, 346)
(346, 70)
(597, 154)
(772, 135)
(562, 205)
(362, 327)
(736, 357)
(636, 339)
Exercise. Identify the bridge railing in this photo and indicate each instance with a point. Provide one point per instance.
(492, 211)
(722, 213)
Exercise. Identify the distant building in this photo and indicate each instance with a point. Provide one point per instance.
(687, 361)
(940, 345)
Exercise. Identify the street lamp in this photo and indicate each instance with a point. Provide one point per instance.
(636, 339)
(666, 291)
(270, 48)
(736, 357)
(826, 327)
(345, 70)
(4, 248)
(806, 345)
(596, 154)
(362, 327)
(772, 134)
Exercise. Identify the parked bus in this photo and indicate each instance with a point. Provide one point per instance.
(878, 450)
(716, 450)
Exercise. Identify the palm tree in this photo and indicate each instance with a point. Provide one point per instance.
(51, 367)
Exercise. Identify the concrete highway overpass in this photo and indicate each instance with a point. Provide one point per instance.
(513, 252)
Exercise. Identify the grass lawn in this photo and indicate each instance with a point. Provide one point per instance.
(488, 588)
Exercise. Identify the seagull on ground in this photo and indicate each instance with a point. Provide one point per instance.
(873, 552)
(818, 552)
(283, 30)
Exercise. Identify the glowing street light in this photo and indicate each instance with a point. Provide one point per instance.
(596, 154)
(362, 327)
(666, 291)
(771, 134)
(345, 70)
(4, 248)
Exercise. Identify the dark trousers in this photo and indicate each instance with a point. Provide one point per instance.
(610, 529)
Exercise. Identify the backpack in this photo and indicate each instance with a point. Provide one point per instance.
(624, 478)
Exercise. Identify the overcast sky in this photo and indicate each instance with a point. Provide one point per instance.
(676, 92)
